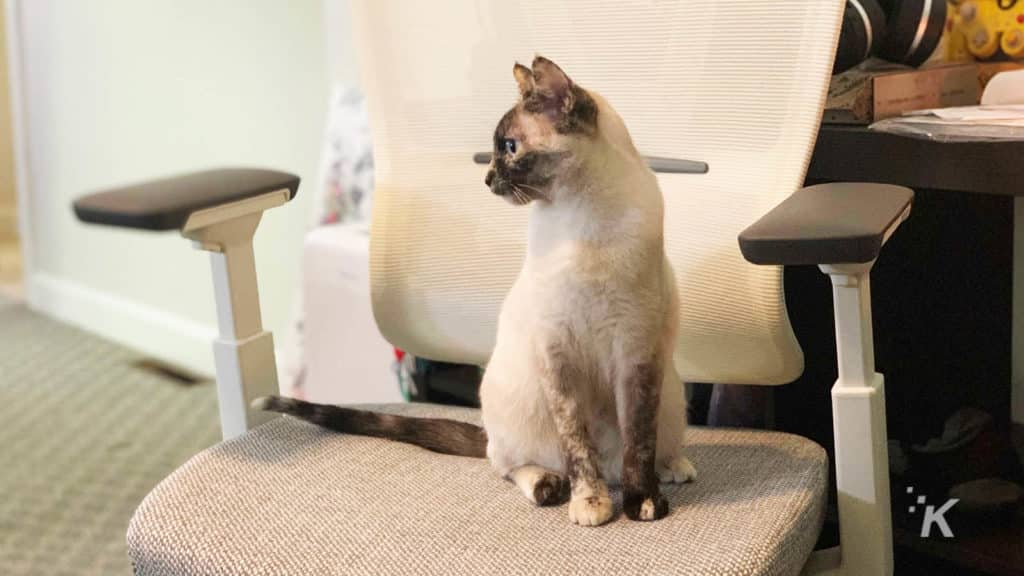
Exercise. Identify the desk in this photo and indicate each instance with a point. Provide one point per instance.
(845, 153)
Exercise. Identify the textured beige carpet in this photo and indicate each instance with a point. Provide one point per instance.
(84, 435)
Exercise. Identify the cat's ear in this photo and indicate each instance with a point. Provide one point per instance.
(553, 84)
(524, 78)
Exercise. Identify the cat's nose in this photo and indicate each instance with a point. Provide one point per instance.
(489, 178)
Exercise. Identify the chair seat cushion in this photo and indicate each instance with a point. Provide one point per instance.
(291, 498)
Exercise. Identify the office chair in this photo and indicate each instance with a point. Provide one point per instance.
(737, 86)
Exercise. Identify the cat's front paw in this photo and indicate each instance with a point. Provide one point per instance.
(644, 506)
(678, 471)
(590, 510)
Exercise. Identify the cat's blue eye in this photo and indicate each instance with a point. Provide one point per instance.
(508, 145)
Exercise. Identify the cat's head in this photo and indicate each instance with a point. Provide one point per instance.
(538, 141)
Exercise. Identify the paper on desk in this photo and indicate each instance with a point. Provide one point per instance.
(999, 117)
(975, 114)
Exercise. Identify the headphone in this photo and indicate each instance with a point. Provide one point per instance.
(903, 31)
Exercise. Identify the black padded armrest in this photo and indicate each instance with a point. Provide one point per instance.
(166, 204)
(839, 223)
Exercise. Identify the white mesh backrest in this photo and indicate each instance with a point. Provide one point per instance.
(738, 84)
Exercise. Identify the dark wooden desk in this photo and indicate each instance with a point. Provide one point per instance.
(948, 299)
(856, 153)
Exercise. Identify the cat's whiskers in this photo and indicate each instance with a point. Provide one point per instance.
(522, 198)
(537, 190)
(517, 194)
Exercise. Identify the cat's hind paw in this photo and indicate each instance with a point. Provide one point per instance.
(551, 490)
(678, 471)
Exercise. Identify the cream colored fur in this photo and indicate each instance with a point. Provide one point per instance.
(596, 266)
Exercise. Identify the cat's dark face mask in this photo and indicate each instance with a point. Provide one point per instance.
(523, 169)
(533, 140)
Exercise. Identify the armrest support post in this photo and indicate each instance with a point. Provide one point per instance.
(859, 425)
(238, 310)
(851, 301)
(244, 352)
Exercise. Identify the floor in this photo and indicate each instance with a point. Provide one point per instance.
(85, 433)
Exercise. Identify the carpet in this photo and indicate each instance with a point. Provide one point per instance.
(85, 434)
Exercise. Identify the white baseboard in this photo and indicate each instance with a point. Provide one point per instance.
(151, 331)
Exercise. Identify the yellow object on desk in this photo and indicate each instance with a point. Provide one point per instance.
(985, 29)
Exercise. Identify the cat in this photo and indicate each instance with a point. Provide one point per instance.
(580, 391)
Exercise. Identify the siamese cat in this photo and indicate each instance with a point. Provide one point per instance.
(580, 391)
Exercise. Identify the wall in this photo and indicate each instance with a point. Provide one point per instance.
(117, 91)
(341, 53)
(8, 211)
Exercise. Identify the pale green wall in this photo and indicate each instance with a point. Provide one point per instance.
(124, 90)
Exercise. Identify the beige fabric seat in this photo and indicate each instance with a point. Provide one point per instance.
(291, 498)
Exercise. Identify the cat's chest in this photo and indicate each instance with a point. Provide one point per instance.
(587, 296)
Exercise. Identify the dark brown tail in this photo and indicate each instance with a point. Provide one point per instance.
(437, 434)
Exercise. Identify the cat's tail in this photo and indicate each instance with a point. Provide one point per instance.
(437, 434)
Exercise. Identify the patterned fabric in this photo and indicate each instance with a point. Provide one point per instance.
(347, 162)
(344, 195)
(290, 498)
(85, 434)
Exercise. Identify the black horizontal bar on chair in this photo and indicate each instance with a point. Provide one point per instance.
(657, 164)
